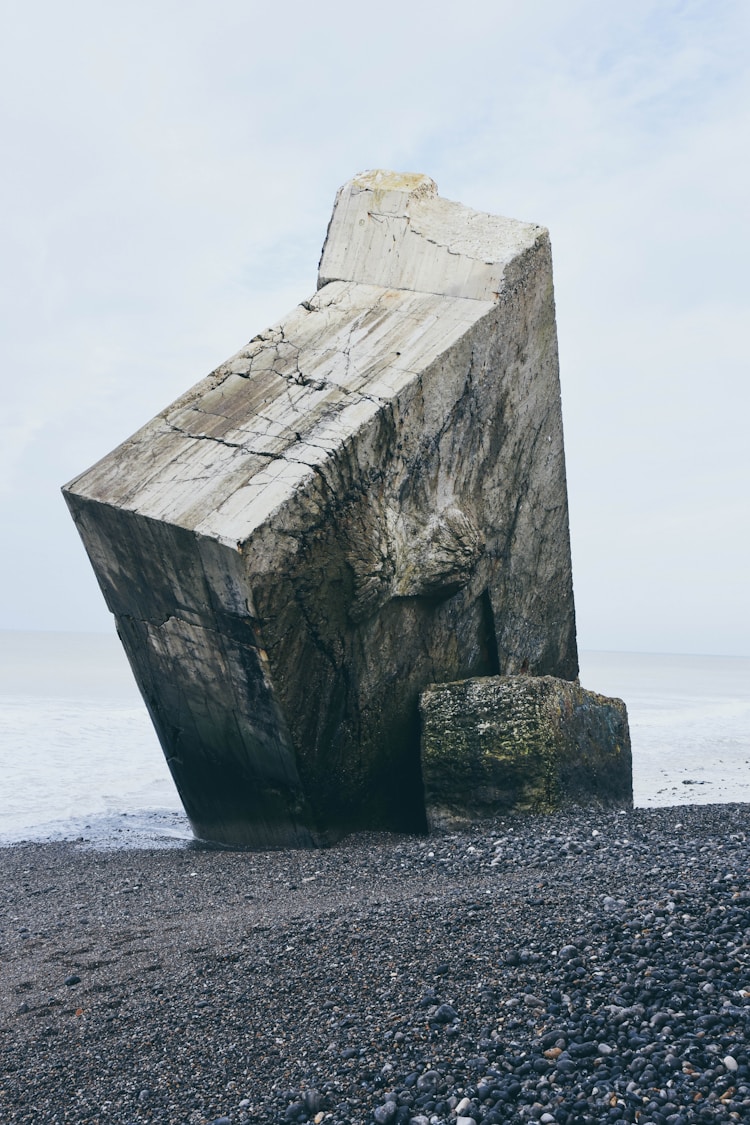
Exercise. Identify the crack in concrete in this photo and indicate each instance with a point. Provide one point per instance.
(209, 437)
(413, 228)
(208, 413)
(324, 384)
(449, 250)
(277, 455)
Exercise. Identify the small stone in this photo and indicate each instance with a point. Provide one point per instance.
(72, 979)
(445, 1014)
(428, 1081)
(384, 1114)
(730, 1063)
(462, 1106)
(311, 1100)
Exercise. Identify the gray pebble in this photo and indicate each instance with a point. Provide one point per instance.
(384, 1114)
(429, 1080)
(445, 1014)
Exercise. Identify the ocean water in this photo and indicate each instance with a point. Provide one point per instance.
(78, 754)
(79, 758)
(689, 722)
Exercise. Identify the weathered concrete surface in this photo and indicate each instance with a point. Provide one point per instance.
(367, 498)
(521, 744)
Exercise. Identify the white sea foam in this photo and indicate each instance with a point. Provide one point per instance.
(77, 749)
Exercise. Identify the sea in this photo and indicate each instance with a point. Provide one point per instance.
(79, 759)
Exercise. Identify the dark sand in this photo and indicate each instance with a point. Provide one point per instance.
(595, 967)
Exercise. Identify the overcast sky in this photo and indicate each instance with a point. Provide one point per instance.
(169, 174)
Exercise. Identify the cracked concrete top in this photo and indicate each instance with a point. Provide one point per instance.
(403, 276)
(394, 230)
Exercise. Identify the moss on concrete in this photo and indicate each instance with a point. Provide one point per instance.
(502, 744)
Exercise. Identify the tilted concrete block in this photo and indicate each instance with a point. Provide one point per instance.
(505, 744)
(368, 498)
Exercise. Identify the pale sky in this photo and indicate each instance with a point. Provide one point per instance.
(169, 174)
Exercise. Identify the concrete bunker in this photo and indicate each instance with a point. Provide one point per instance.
(367, 499)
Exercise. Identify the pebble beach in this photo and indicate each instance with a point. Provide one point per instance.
(578, 968)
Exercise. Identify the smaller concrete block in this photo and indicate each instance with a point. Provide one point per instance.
(501, 744)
